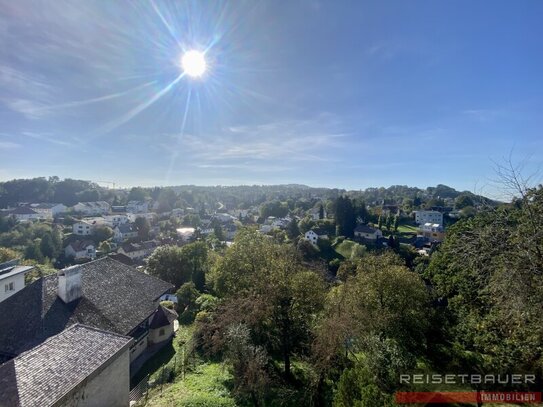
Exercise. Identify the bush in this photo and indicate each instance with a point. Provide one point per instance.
(207, 302)
(168, 304)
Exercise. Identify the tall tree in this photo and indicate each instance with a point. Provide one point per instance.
(143, 227)
(137, 194)
(47, 246)
(345, 217)
(179, 265)
(490, 270)
(292, 229)
(276, 296)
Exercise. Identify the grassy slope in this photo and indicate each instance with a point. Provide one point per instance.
(345, 248)
(207, 386)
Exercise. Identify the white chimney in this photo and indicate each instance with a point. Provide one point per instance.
(69, 284)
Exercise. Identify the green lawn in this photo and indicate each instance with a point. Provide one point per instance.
(345, 248)
(170, 354)
(206, 386)
(407, 229)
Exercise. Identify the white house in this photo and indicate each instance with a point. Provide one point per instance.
(312, 237)
(24, 214)
(239, 213)
(92, 208)
(150, 216)
(315, 213)
(138, 251)
(137, 207)
(367, 232)
(116, 220)
(82, 228)
(12, 278)
(432, 231)
(280, 223)
(224, 217)
(124, 232)
(422, 217)
(81, 249)
(49, 210)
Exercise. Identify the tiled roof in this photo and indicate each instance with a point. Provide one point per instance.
(135, 247)
(115, 298)
(126, 228)
(23, 210)
(365, 229)
(14, 270)
(123, 258)
(80, 245)
(163, 316)
(43, 375)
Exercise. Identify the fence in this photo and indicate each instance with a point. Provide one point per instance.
(139, 390)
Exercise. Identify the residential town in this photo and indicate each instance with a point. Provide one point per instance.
(271, 203)
(100, 282)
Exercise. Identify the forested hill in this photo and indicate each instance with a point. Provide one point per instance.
(52, 189)
(71, 191)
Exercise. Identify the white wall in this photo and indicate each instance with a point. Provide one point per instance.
(18, 284)
(155, 337)
(422, 217)
(82, 229)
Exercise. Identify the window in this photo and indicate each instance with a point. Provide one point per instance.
(161, 332)
(10, 287)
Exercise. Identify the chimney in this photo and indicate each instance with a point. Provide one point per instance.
(69, 284)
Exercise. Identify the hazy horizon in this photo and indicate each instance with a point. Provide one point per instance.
(347, 95)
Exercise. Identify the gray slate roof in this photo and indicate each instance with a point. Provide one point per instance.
(41, 376)
(23, 210)
(364, 229)
(116, 298)
(127, 228)
(163, 316)
(80, 245)
(14, 270)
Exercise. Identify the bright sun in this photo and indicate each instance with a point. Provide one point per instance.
(193, 63)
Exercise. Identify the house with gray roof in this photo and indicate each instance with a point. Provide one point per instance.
(49, 210)
(80, 250)
(24, 214)
(104, 294)
(12, 278)
(81, 366)
(124, 232)
(92, 208)
(367, 233)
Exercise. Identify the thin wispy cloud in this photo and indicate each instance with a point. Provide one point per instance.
(290, 140)
(23, 93)
(49, 138)
(9, 145)
(483, 115)
(245, 167)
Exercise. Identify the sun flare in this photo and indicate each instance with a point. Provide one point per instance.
(193, 63)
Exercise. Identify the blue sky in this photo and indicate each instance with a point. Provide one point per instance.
(338, 94)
